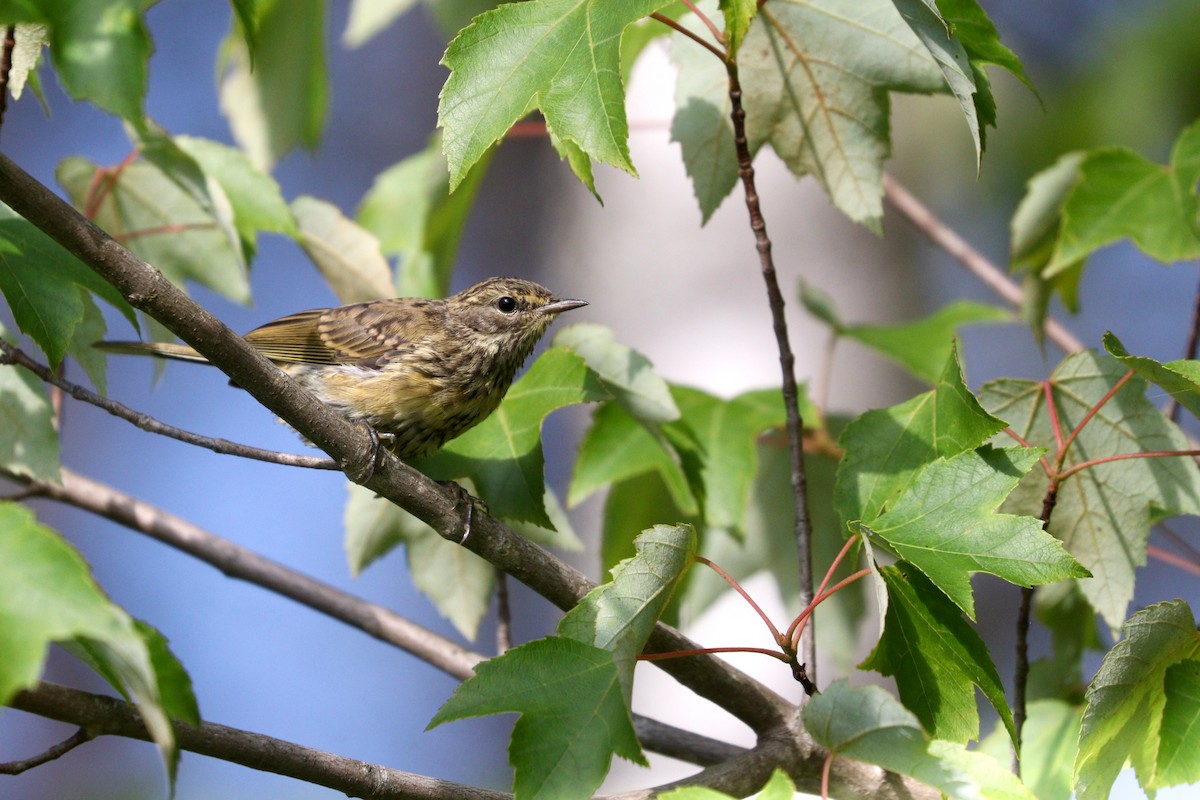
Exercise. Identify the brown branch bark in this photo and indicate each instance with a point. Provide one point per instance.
(351, 446)
(787, 364)
(106, 715)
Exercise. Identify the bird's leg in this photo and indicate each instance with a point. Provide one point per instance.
(462, 496)
(377, 441)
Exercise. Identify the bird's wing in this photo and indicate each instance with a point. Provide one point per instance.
(366, 334)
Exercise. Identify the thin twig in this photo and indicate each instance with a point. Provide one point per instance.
(381, 623)
(255, 750)
(1193, 343)
(1082, 465)
(10, 41)
(81, 736)
(673, 25)
(1092, 412)
(737, 587)
(717, 33)
(787, 361)
(992, 276)
(1168, 557)
(13, 355)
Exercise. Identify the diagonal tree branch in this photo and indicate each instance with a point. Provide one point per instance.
(383, 624)
(352, 447)
(961, 251)
(353, 777)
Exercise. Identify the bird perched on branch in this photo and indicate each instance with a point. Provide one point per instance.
(419, 372)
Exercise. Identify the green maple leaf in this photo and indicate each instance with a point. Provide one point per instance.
(1150, 669)
(945, 525)
(559, 56)
(503, 454)
(1120, 194)
(1181, 379)
(868, 724)
(47, 594)
(816, 78)
(164, 224)
(885, 448)
(573, 715)
(572, 690)
(1103, 513)
(936, 658)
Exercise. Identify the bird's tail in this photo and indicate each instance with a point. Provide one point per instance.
(179, 352)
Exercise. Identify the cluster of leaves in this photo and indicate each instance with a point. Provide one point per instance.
(942, 486)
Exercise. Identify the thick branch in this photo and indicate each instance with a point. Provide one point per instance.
(787, 363)
(351, 446)
(106, 715)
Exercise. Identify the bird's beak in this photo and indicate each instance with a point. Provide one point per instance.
(559, 306)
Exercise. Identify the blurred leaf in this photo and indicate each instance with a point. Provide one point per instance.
(617, 447)
(147, 212)
(1120, 194)
(923, 346)
(816, 78)
(1181, 379)
(28, 41)
(347, 255)
(410, 208)
(1103, 513)
(503, 454)
(91, 329)
(702, 125)
(945, 524)
(886, 448)
(559, 56)
(257, 202)
(820, 305)
(627, 374)
(961, 38)
(281, 101)
(868, 724)
(1048, 745)
(995, 780)
(28, 439)
(936, 658)
(100, 48)
(1036, 227)
(726, 432)
(631, 506)
(42, 283)
(1124, 718)
(1066, 613)
(47, 594)
(458, 582)
(369, 17)
(738, 16)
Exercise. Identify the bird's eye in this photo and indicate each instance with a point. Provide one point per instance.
(506, 304)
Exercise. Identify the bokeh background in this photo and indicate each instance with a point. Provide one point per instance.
(688, 297)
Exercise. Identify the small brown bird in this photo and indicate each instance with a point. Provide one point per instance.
(420, 372)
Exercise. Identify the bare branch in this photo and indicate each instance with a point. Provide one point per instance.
(383, 624)
(988, 273)
(351, 446)
(13, 355)
(787, 363)
(255, 750)
(51, 753)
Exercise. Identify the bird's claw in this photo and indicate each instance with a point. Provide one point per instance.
(471, 501)
(378, 441)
